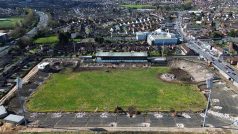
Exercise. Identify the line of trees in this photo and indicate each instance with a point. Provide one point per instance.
(27, 23)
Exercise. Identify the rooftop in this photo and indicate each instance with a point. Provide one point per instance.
(1, 34)
(14, 118)
(121, 54)
(162, 35)
(3, 110)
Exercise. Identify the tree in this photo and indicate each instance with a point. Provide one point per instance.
(29, 18)
(99, 40)
(233, 33)
(17, 32)
(23, 42)
(216, 34)
(63, 38)
(88, 30)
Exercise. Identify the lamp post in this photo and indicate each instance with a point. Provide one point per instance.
(209, 83)
(19, 83)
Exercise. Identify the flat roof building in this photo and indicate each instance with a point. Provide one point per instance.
(162, 38)
(17, 119)
(118, 57)
(3, 112)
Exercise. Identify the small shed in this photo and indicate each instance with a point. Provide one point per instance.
(3, 112)
(17, 119)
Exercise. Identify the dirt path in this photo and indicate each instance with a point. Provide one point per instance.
(129, 129)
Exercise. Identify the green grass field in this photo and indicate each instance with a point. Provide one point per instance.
(51, 40)
(47, 40)
(137, 6)
(88, 90)
(9, 23)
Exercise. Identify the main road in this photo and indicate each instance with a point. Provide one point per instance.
(199, 47)
(43, 22)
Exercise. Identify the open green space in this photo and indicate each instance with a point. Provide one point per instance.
(106, 89)
(76, 40)
(51, 40)
(138, 6)
(47, 40)
(9, 23)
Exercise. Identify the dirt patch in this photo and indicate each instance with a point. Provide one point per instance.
(177, 75)
(196, 70)
(181, 75)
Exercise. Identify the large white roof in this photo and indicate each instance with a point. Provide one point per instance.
(121, 54)
(1, 34)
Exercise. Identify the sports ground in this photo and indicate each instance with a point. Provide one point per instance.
(9, 23)
(105, 89)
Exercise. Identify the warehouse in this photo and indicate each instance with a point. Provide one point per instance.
(121, 57)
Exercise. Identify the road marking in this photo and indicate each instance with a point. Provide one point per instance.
(80, 115)
(158, 115)
(202, 115)
(185, 115)
(104, 115)
(146, 124)
(217, 107)
(56, 115)
(180, 125)
(215, 100)
(113, 124)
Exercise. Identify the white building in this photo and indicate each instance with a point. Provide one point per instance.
(162, 38)
(43, 65)
(3, 37)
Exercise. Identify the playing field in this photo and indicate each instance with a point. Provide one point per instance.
(47, 40)
(9, 23)
(50, 40)
(88, 90)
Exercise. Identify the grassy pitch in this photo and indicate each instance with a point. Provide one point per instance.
(47, 40)
(9, 23)
(104, 90)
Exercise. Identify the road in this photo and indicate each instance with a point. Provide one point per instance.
(199, 47)
(43, 22)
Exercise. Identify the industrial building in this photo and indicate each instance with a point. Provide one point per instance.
(121, 57)
(157, 37)
(162, 38)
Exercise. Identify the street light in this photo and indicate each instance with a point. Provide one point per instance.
(19, 83)
(209, 83)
